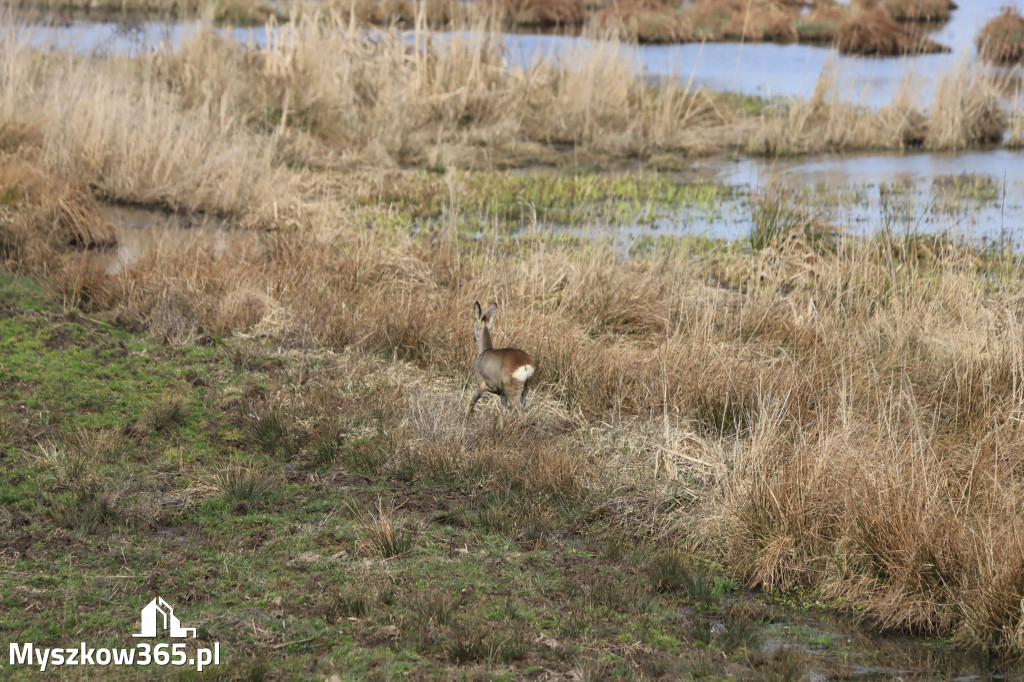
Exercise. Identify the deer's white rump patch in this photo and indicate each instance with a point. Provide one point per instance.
(523, 373)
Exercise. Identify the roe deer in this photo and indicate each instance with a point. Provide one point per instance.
(502, 371)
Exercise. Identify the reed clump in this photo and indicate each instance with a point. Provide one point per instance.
(1001, 40)
(873, 32)
(176, 127)
(920, 10)
(967, 110)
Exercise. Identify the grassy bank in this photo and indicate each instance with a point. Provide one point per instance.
(802, 411)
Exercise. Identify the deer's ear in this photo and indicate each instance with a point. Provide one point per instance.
(492, 310)
(476, 311)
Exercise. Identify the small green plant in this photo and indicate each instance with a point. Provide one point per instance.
(774, 216)
(85, 514)
(327, 448)
(477, 642)
(163, 415)
(740, 630)
(71, 468)
(576, 624)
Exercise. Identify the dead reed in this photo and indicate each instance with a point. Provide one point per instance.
(213, 125)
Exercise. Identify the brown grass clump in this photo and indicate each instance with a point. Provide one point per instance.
(872, 32)
(920, 10)
(1001, 40)
(40, 216)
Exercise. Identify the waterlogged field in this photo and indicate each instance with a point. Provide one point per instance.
(774, 432)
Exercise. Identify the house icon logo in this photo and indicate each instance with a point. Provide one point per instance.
(158, 614)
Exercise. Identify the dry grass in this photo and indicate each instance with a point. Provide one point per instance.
(213, 126)
(820, 24)
(828, 120)
(1001, 40)
(545, 12)
(967, 110)
(113, 126)
(645, 21)
(843, 413)
(237, 12)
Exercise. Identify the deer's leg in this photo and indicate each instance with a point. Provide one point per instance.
(517, 391)
(472, 402)
(522, 395)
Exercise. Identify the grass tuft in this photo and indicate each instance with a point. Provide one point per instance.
(383, 536)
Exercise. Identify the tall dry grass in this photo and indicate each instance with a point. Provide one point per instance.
(114, 125)
(213, 125)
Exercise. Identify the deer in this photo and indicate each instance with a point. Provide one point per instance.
(502, 371)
